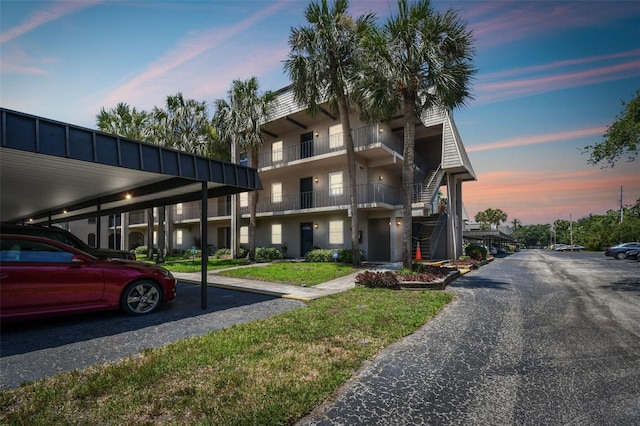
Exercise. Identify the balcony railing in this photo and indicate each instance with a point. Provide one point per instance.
(362, 137)
(366, 194)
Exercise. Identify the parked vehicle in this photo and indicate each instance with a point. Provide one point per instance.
(620, 251)
(59, 234)
(42, 277)
(633, 254)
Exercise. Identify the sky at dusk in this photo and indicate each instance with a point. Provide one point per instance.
(551, 77)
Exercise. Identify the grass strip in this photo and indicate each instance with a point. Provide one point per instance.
(193, 265)
(303, 274)
(266, 372)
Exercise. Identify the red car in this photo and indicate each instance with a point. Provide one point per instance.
(40, 277)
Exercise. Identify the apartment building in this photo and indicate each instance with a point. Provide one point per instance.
(304, 202)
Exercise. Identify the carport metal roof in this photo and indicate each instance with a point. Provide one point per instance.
(56, 172)
(52, 171)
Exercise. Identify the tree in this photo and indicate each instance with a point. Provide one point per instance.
(621, 138)
(130, 123)
(183, 124)
(481, 218)
(124, 121)
(238, 121)
(421, 59)
(322, 65)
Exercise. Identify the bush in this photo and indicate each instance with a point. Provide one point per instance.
(267, 254)
(225, 253)
(385, 279)
(141, 251)
(326, 255)
(476, 252)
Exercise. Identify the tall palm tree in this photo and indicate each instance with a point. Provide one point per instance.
(323, 64)
(129, 123)
(183, 124)
(420, 59)
(124, 121)
(239, 121)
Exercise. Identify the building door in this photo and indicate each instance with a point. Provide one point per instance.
(306, 193)
(306, 145)
(379, 239)
(306, 238)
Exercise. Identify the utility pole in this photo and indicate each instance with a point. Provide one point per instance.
(621, 209)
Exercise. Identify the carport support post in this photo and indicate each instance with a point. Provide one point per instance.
(203, 244)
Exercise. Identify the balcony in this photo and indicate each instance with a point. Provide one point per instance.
(375, 195)
(363, 138)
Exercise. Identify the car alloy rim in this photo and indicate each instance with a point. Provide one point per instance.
(143, 298)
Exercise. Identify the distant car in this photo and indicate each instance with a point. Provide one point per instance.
(42, 277)
(566, 247)
(633, 254)
(620, 251)
(59, 234)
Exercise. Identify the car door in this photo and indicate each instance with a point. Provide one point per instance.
(36, 275)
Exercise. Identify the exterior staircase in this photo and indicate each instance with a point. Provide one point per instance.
(427, 231)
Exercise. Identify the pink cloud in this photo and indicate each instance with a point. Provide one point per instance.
(539, 139)
(185, 51)
(543, 196)
(492, 92)
(50, 13)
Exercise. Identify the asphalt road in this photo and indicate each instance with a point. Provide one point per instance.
(534, 338)
(35, 349)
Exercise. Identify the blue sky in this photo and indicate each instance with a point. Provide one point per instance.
(551, 75)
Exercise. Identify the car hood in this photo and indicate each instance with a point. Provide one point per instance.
(109, 253)
(140, 266)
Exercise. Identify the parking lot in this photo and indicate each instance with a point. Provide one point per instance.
(34, 349)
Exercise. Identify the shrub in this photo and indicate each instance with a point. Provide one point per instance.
(225, 253)
(267, 254)
(386, 279)
(476, 252)
(326, 255)
(141, 251)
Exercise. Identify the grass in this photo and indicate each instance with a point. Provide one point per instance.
(299, 273)
(193, 265)
(267, 372)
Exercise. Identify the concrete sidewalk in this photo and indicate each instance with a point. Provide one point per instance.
(287, 291)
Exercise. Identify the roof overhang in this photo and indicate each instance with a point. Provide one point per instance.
(56, 172)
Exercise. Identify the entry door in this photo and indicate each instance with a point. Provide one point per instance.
(306, 145)
(306, 238)
(306, 193)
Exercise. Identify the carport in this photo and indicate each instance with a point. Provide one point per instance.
(52, 172)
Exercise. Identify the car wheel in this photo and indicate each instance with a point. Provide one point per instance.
(620, 255)
(141, 297)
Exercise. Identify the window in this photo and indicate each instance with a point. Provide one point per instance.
(244, 199)
(276, 192)
(276, 233)
(179, 237)
(335, 183)
(336, 232)
(91, 220)
(179, 208)
(335, 136)
(276, 151)
(244, 235)
(244, 161)
(91, 239)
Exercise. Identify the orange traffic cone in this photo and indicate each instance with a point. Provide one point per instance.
(418, 253)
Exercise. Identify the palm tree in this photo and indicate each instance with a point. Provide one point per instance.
(421, 59)
(184, 124)
(124, 121)
(129, 123)
(238, 121)
(322, 65)
(496, 217)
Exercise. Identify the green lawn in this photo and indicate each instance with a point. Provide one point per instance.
(267, 372)
(298, 273)
(193, 265)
